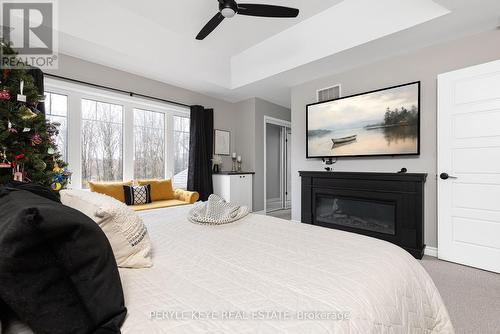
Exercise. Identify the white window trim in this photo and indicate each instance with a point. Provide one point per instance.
(77, 92)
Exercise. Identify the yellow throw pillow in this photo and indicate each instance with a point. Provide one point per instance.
(161, 190)
(112, 189)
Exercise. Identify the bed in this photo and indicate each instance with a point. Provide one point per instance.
(267, 275)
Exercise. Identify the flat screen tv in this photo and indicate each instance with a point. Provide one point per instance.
(384, 122)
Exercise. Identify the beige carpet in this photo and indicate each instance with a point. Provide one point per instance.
(472, 296)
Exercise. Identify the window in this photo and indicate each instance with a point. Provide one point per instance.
(181, 151)
(149, 144)
(56, 110)
(102, 142)
(108, 136)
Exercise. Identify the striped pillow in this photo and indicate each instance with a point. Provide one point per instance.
(136, 195)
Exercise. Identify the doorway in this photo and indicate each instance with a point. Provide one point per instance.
(277, 167)
(468, 166)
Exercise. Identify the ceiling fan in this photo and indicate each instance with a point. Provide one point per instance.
(229, 8)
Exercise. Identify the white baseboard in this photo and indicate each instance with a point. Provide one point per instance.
(431, 251)
(262, 212)
(296, 221)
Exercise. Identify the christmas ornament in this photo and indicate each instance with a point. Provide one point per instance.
(26, 113)
(56, 169)
(4, 95)
(11, 129)
(51, 151)
(56, 186)
(21, 97)
(40, 165)
(36, 139)
(59, 177)
(3, 156)
(26, 129)
(18, 175)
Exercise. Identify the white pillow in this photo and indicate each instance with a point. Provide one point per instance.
(124, 229)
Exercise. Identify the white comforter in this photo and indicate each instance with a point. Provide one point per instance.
(264, 275)
(248, 274)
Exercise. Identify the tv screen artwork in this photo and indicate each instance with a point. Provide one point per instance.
(383, 122)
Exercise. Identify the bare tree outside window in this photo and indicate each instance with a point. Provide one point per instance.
(181, 151)
(102, 141)
(149, 144)
(56, 111)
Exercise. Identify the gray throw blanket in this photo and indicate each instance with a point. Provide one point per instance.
(216, 211)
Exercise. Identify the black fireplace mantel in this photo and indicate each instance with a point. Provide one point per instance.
(399, 217)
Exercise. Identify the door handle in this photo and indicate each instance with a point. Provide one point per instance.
(445, 176)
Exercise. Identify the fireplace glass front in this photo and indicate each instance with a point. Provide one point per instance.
(364, 214)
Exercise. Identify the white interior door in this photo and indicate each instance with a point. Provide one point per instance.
(469, 166)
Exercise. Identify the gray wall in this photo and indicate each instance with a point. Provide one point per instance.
(226, 114)
(245, 133)
(423, 65)
(273, 161)
(263, 108)
(250, 139)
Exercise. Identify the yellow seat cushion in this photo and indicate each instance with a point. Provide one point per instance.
(112, 189)
(161, 190)
(158, 205)
(189, 197)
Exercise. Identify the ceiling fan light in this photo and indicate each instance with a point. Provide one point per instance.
(228, 12)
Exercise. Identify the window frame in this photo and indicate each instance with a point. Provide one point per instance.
(173, 144)
(77, 92)
(48, 116)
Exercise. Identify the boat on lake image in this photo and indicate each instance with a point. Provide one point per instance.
(344, 140)
(383, 122)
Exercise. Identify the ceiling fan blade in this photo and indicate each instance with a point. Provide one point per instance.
(210, 26)
(252, 9)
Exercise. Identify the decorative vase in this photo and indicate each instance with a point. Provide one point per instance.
(234, 169)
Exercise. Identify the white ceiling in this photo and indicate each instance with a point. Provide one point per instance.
(249, 56)
(187, 17)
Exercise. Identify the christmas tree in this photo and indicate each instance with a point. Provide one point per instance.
(28, 150)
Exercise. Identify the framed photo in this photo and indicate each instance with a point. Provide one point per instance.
(222, 142)
(385, 122)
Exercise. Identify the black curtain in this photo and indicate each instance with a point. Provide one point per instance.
(201, 151)
(37, 75)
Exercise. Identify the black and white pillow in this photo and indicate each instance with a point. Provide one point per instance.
(136, 195)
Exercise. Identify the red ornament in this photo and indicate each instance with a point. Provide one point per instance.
(4, 95)
(17, 157)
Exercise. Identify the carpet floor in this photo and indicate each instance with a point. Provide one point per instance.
(472, 296)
